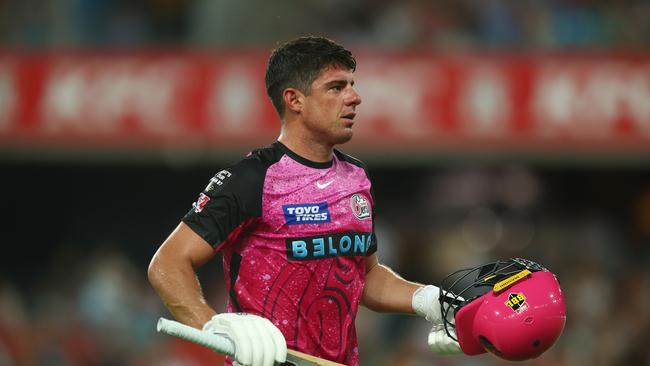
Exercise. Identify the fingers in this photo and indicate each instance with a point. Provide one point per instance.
(239, 331)
(266, 351)
(279, 342)
(273, 344)
(442, 344)
(257, 341)
(252, 345)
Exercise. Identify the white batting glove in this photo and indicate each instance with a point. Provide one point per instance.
(425, 303)
(441, 343)
(257, 341)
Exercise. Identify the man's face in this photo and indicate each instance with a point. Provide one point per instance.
(329, 110)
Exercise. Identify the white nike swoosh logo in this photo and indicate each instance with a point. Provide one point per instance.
(324, 185)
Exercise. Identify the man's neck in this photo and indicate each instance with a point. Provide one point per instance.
(310, 150)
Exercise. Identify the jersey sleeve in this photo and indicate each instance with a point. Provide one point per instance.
(372, 247)
(231, 198)
(373, 241)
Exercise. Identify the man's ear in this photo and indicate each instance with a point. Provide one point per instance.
(293, 99)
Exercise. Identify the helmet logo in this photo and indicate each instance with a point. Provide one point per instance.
(517, 302)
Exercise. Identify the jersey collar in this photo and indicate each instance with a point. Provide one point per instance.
(301, 160)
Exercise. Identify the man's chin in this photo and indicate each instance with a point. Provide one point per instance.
(343, 137)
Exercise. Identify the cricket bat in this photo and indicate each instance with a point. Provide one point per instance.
(223, 344)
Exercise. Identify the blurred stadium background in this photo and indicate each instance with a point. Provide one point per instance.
(492, 128)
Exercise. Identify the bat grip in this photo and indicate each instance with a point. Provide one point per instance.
(218, 343)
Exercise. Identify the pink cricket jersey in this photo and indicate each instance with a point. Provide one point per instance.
(294, 235)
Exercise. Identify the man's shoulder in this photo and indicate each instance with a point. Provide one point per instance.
(350, 159)
(246, 174)
(257, 160)
(264, 156)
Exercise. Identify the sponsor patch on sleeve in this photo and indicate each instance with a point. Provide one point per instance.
(218, 180)
(200, 202)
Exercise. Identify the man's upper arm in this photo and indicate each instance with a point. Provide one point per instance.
(231, 198)
(185, 244)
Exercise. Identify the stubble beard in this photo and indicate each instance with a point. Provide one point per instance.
(345, 138)
(335, 135)
(340, 135)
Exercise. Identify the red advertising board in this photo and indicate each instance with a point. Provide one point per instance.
(415, 101)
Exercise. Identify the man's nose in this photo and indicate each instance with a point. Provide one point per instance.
(353, 98)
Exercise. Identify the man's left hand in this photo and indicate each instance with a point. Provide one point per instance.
(441, 343)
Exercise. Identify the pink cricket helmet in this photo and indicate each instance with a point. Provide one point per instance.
(513, 309)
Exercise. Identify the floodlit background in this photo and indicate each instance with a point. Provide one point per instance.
(492, 129)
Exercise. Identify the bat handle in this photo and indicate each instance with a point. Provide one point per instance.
(218, 343)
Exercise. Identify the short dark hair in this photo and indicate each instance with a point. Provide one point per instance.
(298, 63)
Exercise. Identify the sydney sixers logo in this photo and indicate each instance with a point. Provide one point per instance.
(200, 203)
(360, 207)
(517, 302)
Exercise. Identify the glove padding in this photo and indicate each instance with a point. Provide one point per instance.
(426, 304)
(257, 341)
(441, 343)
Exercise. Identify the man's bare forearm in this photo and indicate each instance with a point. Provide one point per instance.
(172, 273)
(386, 291)
(180, 291)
